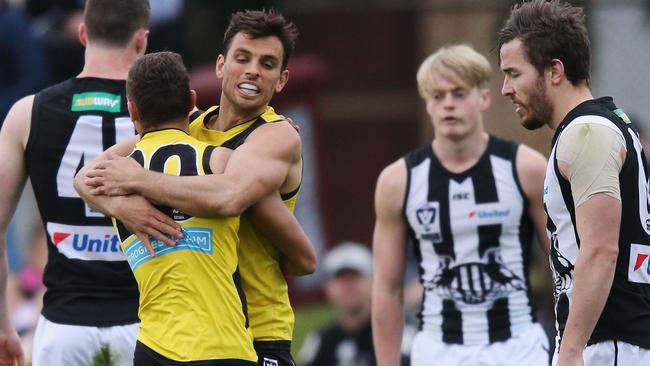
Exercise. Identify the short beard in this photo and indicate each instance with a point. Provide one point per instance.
(541, 110)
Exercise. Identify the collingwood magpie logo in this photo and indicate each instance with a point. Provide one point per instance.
(475, 282)
(427, 217)
(562, 269)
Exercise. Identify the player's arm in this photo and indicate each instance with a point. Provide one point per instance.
(590, 157)
(254, 170)
(531, 168)
(137, 214)
(13, 139)
(107, 205)
(389, 258)
(274, 220)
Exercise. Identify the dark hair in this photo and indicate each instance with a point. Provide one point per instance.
(263, 23)
(159, 85)
(114, 22)
(551, 30)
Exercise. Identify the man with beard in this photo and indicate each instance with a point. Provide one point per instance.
(595, 176)
(470, 203)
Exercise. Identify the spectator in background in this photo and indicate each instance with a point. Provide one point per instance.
(24, 69)
(348, 341)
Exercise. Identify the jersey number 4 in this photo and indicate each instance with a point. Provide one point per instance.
(87, 143)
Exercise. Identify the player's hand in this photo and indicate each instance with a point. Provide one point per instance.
(11, 351)
(114, 176)
(147, 222)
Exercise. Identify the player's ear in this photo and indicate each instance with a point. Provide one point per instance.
(193, 98)
(141, 40)
(133, 110)
(486, 99)
(221, 60)
(556, 71)
(83, 38)
(284, 78)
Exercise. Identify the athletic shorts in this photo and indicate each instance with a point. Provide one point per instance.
(145, 356)
(529, 348)
(274, 353)
(76, 345)
(613, 353)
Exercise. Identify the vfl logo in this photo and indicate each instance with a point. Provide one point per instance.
(270, 362)
(426, 215)
(427, 222)
(639, 265)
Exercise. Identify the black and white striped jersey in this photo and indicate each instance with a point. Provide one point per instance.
(626, 315)
(472, 237)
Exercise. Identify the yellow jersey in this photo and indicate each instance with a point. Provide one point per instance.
(267, 293)
(192, 306)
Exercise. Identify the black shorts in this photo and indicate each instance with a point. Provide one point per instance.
(274, 353)
(145, 356)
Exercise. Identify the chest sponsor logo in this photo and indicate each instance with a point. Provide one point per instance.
(427, 222)
(194, 239)
(639, 264)
(488, 214)
(96, 101)
(89, 243)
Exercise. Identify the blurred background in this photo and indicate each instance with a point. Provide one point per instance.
(352, 90)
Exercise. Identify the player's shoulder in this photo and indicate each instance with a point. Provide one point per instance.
(22, 106)
(279, 132)
(17, 123)
(585, 129)
(392, 179)
(531, 168)
(529, 160)
(527, 154)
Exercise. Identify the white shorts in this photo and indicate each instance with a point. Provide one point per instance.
(610, 353)
(529, 348)
(74, 345)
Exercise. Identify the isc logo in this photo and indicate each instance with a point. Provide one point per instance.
(85, 242)
(460, 196)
